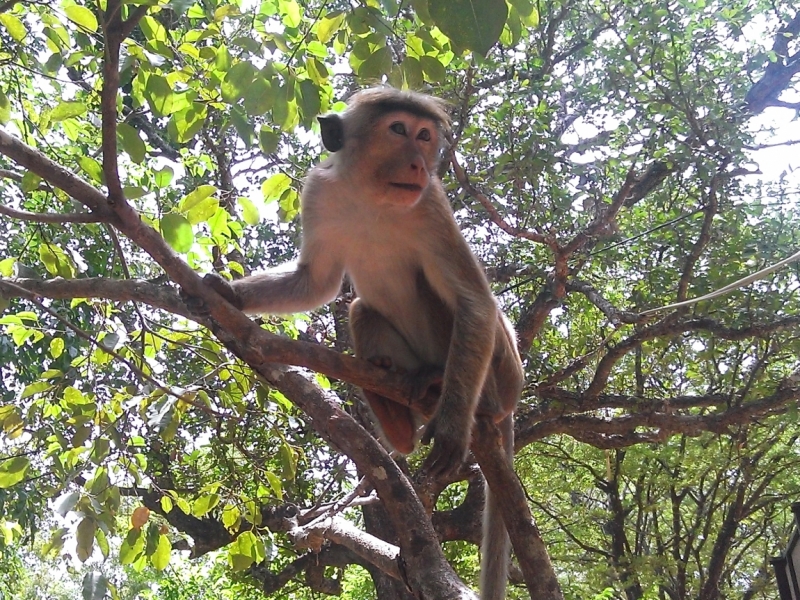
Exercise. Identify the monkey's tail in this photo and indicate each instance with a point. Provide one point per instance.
(496, 545)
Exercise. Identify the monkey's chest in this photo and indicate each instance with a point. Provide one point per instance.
(389, 280)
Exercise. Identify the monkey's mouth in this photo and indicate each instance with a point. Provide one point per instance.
(411, 187)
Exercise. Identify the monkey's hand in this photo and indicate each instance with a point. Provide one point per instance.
(220, 285)
(450, 445)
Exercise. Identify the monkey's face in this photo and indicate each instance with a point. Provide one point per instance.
(403, 151)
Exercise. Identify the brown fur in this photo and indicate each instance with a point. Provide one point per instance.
(376, 211)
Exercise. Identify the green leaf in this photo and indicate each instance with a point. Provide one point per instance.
(92, 168)
(49, 258)
(177, 230)
(249, 211)
(204, 504)
(68, 110)
(203, 211)
(258, 98)
(274, 187)
(185, 123)
(95, 586)
(231, 517)
(13, 470)
(237, 80)
(84, 538)
(275, 484)
(310, 101)
(433, 69)
(412, 72)
(288, 462)
(291, 13)
(377, 64)
(159, 95)
(7, 266)
(160, 557)
(56, 347)
(34, 388)
(472, 24)
(5, 107)
(16, 29)
(153, 30)
(102, 542)
(132, 547)
(195, 197)
(267, 139)
(242, 125)
(56, 542)
(82, 16)
(328, 26)
(131, 142)
(163, 177)
(524, 7)
(30, 182)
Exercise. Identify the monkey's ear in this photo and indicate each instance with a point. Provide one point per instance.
(332, 128)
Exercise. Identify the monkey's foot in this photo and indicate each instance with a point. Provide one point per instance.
(449, 450)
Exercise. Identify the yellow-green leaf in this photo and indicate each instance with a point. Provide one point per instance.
(132, 547)
(204, 504)
(56, 347)
(327, 27)
(237, 80)
(274, 187)
(5, 106)
(249, 211)
(160, 558)
(159, 95)
(67, 110)
(7, 266)
(15, 27)
(80, 15)
(131, 142)
(267, 139)
(195, 197)
(177, 230)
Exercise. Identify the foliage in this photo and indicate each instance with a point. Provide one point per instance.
(604, 163)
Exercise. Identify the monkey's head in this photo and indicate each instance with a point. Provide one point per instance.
(388, 140)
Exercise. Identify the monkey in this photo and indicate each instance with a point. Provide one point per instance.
(376, 211)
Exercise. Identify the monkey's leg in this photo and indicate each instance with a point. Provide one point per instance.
(376, 340)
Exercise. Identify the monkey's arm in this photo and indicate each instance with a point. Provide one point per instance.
(460, 282)
(312, 281)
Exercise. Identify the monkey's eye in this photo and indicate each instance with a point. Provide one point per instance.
(424, 135)
(398, 127)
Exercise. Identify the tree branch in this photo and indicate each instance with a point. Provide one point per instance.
(24, 215)
(383, 555)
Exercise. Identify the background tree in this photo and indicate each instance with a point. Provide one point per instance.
(605, 161)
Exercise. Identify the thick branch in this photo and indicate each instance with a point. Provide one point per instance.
(540, 577)
(114, 35)
(778, 74)
(373, 550)
(56, 175)
(118, 290)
